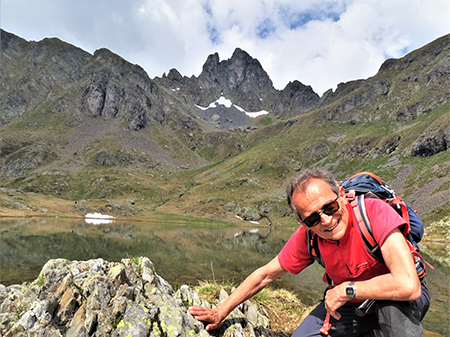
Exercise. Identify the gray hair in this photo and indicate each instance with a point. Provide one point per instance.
(301, 179)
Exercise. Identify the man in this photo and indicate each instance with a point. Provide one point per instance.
(319, 204)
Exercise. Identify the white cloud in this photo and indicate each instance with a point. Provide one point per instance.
(318, 42)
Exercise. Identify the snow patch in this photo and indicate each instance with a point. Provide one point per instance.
(227, 103)
(256, 114)
(98, 221)
(98, 218)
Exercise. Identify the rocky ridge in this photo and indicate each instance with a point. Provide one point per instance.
(100, 298)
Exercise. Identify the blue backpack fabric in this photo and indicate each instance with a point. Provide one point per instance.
(367, 182)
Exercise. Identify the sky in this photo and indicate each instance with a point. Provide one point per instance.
(320, 43)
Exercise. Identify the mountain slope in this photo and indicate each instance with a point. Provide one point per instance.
(78, 126)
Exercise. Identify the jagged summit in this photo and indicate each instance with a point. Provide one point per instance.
(241, 77)
(243, 80)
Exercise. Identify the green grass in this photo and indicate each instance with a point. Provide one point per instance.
(444, 187)
(40, 280)
(425, 169)
(265, 121)
(210, 291)
(283, 308)
(436, 214)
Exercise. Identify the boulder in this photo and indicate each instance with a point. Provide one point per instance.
(431, 143)
(100, 298)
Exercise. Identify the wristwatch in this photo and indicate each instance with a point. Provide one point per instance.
(350, 291)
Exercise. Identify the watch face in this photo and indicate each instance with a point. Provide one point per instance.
(350, 291)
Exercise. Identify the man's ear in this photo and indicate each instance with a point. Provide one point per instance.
(341, 192)
(296, 217)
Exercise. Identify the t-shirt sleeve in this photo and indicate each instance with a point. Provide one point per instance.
(294, 256)
(383, 218)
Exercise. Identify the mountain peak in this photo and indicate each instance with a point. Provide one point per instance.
(239, 53)
(241, 78)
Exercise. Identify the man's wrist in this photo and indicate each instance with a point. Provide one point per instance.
(350, 290)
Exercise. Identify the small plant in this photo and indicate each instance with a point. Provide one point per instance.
(264, 297)
(22, 307)
(210, 291)
(284, 310)
(115, 320)
(40, 280)
(135, 261)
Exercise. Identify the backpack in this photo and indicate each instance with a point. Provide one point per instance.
(367, 185)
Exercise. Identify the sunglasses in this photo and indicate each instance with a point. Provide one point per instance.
(328, 209)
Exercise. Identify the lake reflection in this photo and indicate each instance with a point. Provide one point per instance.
(182, 252)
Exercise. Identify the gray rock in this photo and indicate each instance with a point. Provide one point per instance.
(99, 298)
(105, 158)
(26, 159)
(245, 212)
(296, 98)
(250, 214)
(431, 143)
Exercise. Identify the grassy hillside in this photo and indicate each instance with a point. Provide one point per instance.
(255, 177)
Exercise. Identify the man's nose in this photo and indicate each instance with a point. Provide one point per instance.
(325, 219)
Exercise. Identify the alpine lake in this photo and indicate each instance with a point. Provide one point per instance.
(182, 251)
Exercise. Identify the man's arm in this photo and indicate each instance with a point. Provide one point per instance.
(401, 284)
(257, 280)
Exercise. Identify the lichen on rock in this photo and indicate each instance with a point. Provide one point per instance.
(100, 298)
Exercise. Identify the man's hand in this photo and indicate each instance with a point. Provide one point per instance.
(203, 314)
(257, 280)
(336, 298)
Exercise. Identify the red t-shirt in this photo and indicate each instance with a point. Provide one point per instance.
(348, 258)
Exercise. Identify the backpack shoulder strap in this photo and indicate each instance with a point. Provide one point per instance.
(314, 252)
(313, 247)
(359, 209)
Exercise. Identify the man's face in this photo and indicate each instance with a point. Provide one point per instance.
(316, 195)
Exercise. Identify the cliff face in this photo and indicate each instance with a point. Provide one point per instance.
(53, 74)
(100, 298)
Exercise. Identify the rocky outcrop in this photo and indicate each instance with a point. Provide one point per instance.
(241, 78)
(24, 160)
(295, 99)
(435, 139)
(176, 80)
(369, 147)
(50, 65)
(245, 212)
(105, 158)
(100, 298)
(352, 95)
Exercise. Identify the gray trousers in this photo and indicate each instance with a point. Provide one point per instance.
(388, 319)
(402, 318)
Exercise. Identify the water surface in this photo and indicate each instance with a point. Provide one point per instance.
(183, 252)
